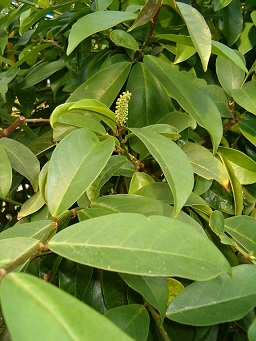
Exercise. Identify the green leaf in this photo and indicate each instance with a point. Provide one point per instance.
(243, 230)
(42, 143)
(247, 126)
(216, 223)
(93, 23)
(51, 312)
(229, 74)
(19, 246)
(127, 243)
(252, 331)
(198, 30)
(32, 205)
(5, 173)
(148, 98)
(205, 164)
(147, 13)
(34, 230)
(244, 167)
(124, 39)
(247, 40)
(22, 160)
(104, 85)
(42, 73)
(153, 289)
(196, 307)
(232, 21)
(219, 4)
(174, 164)
(133, 319)
(245, 96)
(189, 96)
(101, 5)
(75, 164)
(139, 180)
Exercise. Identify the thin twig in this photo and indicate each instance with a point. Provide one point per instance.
(159, 324)
(16, 124)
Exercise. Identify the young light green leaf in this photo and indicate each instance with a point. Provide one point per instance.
(247, 125)
(75, 164)
(34, 230)
(198, 30)
(135, 244)
(147, 13)
(153, 289)
(22, 160)
(103, 85)
(139, 180)
(245, 96)
(133, 319)
(189, 96)
(93, 23)
(174, 164)
(32, 205)
(124, 39)
(244, 167)
(229, 74)
(243, 230)
(12, 248)
(5, 173)
(196, 307)
(51, 312)
(205, 163)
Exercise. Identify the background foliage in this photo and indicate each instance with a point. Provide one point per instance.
(149, 223)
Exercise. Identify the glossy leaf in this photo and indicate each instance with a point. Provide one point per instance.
(153, 289)
(115, 290)
(190, 97)
(230, 75)
(115, 243)
(34, 230)
(247, 125)
(198, 30)
(124, 39)
(32, 205)
(174, 288)
(75, 164)
(19, 246)
(245, 96)
(5, 173)
(93, 23)
(133, 319)
(205, 164)
(104, 85)
(148, 98)
(243, 230)
(174, 164)
(51, 311)
(148, 11)
(196, 307)
(244, 167)
(22, 160)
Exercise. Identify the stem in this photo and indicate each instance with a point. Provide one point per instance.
(16, 124)
(16, 203)
(156, 317)
(249, 72)
(37, 120)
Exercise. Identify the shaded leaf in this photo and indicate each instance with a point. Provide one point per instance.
(5, 173)
(252, 331)
(233, 21)
(245, 96)
(128, 242)
(51, 311)
(247, 125)
(196, 307)
(219, 4)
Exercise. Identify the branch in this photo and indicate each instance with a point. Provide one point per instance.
(158, 322)
(16, 124)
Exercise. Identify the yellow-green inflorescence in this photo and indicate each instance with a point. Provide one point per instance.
(122, 108)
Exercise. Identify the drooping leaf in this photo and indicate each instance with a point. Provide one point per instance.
(75, 164)
(243, 230)
(51, 312)
(133, 319)
(247, 125)
(205, 164)
(174, 164)
(189, 96)
(147, 13)
(34, 230)
(104, 85)
(135, 244)
(22, 160)
(5, 173)
(93, 23)
(245, 96)
(153, 289)
(198, 30)
(196, 307)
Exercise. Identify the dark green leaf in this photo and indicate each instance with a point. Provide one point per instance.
(5, 173)
(233, 21)
(247, 125)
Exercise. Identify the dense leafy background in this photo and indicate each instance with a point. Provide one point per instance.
(151, 224)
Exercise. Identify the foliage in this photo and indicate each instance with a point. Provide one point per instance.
(128, 170)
